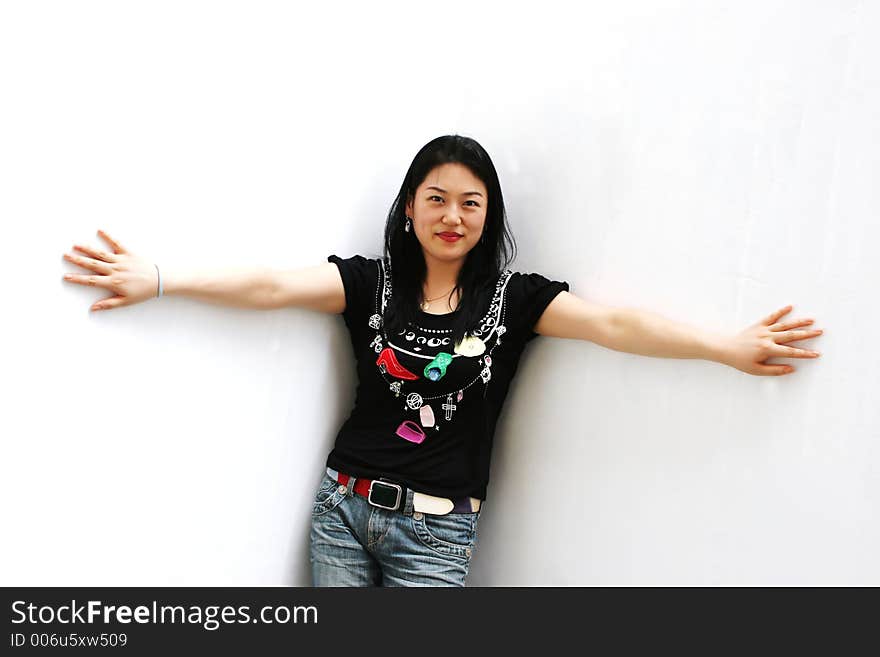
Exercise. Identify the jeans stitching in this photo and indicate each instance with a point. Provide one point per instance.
(434, 543)
(331, 501)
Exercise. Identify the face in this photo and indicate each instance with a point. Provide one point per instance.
(451, 199)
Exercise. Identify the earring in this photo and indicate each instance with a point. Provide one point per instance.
(408, 224)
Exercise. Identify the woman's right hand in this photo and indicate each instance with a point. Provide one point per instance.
(131, 278)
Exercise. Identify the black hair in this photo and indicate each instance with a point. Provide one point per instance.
(483, 264)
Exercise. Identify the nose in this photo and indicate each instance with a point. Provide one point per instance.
(452, 215)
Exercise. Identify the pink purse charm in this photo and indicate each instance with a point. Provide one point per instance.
(409, 430)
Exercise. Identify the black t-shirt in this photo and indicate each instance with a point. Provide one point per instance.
(425, 409)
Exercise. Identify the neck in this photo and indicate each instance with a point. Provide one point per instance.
(441, 275)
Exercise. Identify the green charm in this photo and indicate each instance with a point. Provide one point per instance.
(437, 367)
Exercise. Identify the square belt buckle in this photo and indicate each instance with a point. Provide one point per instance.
(382, 492)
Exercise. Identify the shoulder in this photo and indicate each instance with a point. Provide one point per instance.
(527, 295)
(360, 278)
(357, 266)
(355, 260)
(528, 286)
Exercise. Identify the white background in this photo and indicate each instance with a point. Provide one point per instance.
(707, 161)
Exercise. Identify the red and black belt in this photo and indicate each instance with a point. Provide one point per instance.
(386, 494)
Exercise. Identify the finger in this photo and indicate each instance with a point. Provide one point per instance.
(95, 253)
(784, 326)
(774, 370)
(89, 263)
(85, 279)
(794, 352)
(117, 247)
(792, 336)
(770, 319)
(106, 304)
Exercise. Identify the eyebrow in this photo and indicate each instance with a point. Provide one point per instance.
(439, 189)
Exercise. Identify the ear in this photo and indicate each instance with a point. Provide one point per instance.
(409, 206)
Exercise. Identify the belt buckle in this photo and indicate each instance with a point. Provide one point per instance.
(385, 487)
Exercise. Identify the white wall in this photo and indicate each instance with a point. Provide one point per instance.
(710, 162)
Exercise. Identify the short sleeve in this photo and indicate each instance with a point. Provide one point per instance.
(527, 297)
(360, 277)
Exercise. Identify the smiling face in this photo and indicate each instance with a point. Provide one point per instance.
(451, 199)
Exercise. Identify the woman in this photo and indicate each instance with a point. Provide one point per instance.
(438, 325)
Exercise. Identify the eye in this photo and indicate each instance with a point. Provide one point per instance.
(433, 196)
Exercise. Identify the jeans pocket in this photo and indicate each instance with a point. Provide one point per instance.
(453, 534)
(330, 494)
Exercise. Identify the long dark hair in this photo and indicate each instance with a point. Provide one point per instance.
(483, 263)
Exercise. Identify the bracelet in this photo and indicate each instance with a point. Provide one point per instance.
(160, 291)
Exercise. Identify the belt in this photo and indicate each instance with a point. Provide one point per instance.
(393, 496)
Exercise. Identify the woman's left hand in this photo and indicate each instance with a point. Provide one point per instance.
(749, 350)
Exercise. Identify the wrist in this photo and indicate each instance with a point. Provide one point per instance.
(719, 348)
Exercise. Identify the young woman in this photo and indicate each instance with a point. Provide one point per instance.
(438, 325)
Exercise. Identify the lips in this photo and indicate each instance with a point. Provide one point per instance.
(450, 234)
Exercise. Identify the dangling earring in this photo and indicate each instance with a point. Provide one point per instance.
(407, 225)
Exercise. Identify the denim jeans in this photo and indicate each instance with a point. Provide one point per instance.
(354, 543)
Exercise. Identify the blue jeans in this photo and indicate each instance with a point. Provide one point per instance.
(354, 543)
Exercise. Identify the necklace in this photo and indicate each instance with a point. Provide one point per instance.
(427, 302)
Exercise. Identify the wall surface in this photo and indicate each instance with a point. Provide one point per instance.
(710, 162)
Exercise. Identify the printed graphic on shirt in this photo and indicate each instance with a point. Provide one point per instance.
(442, 445)
(420, 365)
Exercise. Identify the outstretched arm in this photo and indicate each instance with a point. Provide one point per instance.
(133, 279)
(648, 334)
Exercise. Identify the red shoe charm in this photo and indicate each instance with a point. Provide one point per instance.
(392, 366)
